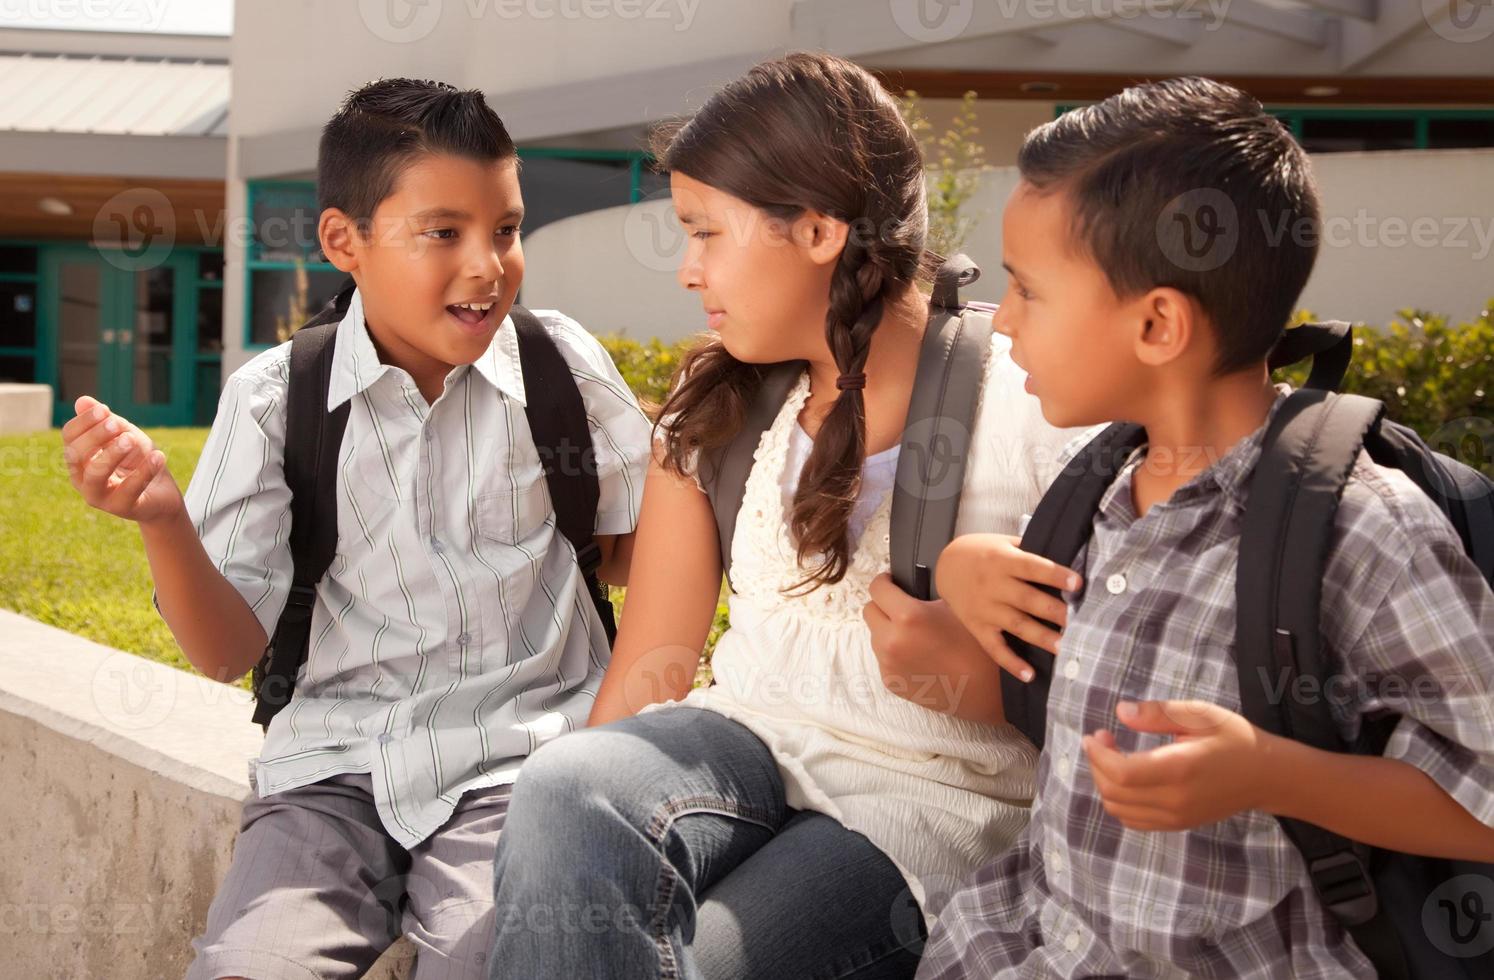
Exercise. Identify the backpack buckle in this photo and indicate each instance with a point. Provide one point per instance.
(1344, 886)
(303, 596)
(589, 558)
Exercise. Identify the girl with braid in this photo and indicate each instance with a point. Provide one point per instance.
(805, 815)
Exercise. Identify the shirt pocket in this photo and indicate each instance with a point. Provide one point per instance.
(512, 517)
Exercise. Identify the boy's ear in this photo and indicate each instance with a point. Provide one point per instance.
(1169, 323)
(822, 237)
(338, 234)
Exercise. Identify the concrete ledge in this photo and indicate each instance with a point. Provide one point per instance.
(25, 408)
(123, 782)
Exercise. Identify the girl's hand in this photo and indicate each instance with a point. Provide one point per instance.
(990, 583)
(115, 467)
(1218, 765)
(928, 658)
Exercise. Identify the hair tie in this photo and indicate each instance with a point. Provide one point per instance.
(851, 382)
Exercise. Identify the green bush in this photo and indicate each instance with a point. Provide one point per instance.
(647, 366)
(1433, 375)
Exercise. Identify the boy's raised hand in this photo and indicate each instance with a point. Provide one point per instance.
(990, 583)
(115, 466)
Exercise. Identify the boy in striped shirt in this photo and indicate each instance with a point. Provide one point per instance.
(453, 632)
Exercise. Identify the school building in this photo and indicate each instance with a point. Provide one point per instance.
(157, 207)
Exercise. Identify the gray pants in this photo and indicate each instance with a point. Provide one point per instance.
(317, 889)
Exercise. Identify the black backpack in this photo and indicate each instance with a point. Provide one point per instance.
(1380, 897)
(936, 435)
(557, 420)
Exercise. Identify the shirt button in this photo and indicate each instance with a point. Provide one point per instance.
(1070, 668)
(385, 738)
(429, 433)
(436, 545)
(1115, 584)
(1055, 862)
(1065, 766)
(1071, 941)
(464, 638)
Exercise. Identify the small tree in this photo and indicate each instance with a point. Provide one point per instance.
(296, 310)
(954, 159)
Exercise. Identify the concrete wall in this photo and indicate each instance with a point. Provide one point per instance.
(284, 77)
(123, 782)
(1410, 228)
(25, 408)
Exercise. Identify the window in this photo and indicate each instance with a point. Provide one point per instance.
(17, 314)
(1330, 135)
(18, 329)
(1455, 133)
(1335, 130)
(1339, 130)
(288, 278)
(209, 354)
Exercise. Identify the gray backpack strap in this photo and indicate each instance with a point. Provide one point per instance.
(936, 444)
(725, 472)
(936, 437)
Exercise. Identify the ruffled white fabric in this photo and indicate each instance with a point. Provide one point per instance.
(939, 795)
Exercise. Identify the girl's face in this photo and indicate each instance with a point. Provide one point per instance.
(764, 282)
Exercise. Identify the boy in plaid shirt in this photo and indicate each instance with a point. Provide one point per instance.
(1166, 234)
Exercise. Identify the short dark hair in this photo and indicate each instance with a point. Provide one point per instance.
(1146, 169)
(385, 125)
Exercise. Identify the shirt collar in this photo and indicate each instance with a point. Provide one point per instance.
(1229, 475)
(356, 365)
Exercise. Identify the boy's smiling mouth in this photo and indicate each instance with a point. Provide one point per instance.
(473, 316)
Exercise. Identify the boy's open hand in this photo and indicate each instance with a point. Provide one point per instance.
(115, 466)
(988, 581)
(1218, 766)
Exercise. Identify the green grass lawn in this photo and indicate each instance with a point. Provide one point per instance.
(70, 566)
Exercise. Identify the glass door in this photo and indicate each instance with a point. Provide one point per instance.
(124, 335)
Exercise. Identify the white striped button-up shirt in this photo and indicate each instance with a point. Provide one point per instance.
(453, 633)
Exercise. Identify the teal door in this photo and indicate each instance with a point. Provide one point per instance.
(120, 331)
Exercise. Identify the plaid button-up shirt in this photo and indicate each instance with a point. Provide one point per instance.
(1080, 895)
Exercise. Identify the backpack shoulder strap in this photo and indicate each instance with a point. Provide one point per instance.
(313, 438)
(556, 413)
(1285, 539)
(1060, 527)
(936, 444)
(724, 473)
(557, 420)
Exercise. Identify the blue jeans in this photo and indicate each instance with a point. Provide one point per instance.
(661, 846)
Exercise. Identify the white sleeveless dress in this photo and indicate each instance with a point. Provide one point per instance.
(938, 795)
